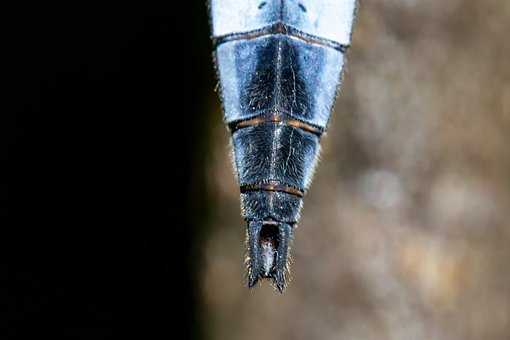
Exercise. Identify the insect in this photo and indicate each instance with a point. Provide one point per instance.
(279, 64)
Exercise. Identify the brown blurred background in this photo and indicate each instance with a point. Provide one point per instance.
(405, 232)
(122, 205)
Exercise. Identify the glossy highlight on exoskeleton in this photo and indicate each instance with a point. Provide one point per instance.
(279, 63)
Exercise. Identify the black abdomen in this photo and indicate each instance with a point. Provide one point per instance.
(279, 155)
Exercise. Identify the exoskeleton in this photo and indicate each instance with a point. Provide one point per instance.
(279, 63)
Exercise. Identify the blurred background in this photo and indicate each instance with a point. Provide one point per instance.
(120, 210)
(405, 232)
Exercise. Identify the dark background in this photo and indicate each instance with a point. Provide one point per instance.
(120, 212)
(100, 141)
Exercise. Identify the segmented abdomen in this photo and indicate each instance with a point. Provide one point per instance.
(279, 63)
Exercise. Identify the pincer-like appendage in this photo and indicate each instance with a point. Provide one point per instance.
(268, 252)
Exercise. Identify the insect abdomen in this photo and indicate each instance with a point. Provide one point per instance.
(279, 64)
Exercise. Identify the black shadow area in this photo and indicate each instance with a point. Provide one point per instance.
(101, 135)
